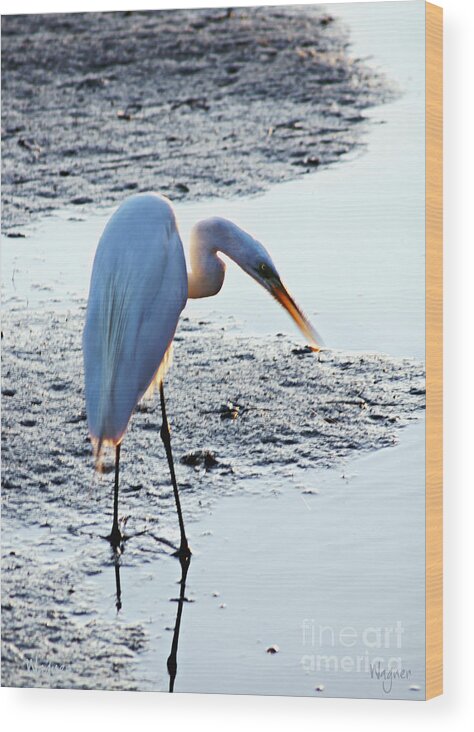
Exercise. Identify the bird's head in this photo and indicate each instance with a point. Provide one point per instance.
(264, 271)
(254, 259)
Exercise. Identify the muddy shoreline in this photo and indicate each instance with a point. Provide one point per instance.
(191, 103)
(240, 408)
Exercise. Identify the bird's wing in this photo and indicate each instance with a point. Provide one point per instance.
(138, 290)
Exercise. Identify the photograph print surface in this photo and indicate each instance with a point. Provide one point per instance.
(213, 350)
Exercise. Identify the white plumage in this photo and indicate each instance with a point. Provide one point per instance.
(138, 290)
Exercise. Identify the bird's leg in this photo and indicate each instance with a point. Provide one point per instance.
(115, 537)
(183, 552)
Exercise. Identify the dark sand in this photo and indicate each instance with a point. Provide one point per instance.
(191, 103)
(238, 407)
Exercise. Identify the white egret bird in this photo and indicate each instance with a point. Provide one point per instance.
(139, 286)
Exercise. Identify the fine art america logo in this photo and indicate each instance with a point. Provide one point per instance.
(378, 651)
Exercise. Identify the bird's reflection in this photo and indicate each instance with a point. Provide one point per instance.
(172, 662)
(118, 588)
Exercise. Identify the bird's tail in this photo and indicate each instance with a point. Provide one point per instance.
(104, 336)
(100, 444)
(101, 449)
(97, 445)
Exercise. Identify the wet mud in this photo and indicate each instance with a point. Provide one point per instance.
(191, 103)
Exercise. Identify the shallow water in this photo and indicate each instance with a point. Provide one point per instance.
(349, 552)
(335, 562)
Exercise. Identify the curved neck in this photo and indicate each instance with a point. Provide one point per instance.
(207, 269)
(207, 272)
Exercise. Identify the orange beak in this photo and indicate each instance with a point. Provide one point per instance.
(280, 293)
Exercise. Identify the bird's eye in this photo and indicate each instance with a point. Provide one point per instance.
(264, 270)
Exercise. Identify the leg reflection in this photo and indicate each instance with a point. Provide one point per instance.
(118, 588)
(172, 663)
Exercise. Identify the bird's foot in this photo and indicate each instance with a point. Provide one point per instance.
(116, 539)
(183, 553)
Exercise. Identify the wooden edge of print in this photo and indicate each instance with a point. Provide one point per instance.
(434, 351)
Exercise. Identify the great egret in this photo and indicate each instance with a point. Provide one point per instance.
(139, 286)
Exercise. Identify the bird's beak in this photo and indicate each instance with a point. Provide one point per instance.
(280, 293)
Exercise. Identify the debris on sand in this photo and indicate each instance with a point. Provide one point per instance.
(230, 410)
(200, 458)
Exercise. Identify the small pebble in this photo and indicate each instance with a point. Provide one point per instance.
(273, 649)
(222, 606)
(319, 687)
(414, 687)
(312, 160)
